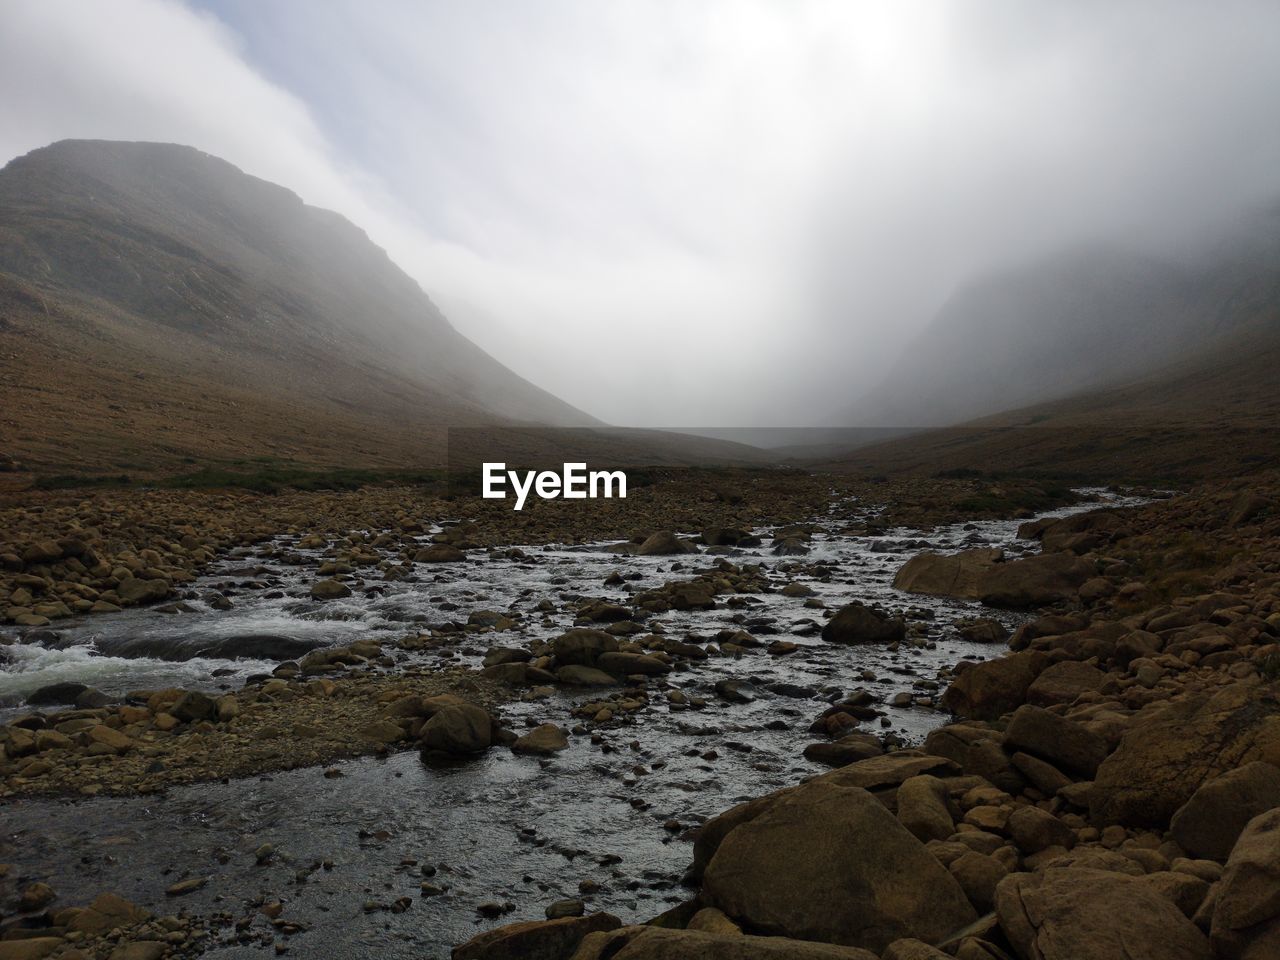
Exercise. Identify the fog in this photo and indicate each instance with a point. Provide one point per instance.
(691, 213)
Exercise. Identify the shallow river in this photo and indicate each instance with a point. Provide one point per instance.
(505, 829)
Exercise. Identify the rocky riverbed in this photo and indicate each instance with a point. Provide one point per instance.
(448, 736)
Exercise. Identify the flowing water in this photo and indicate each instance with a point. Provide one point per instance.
(611, 813)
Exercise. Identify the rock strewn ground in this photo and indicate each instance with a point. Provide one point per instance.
(1111, 789)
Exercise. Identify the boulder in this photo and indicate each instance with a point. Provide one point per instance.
(1246, 911)
(1164, 758)
(457, 730)
(1064, 743)
(329, 590)
(582, 646)
(193, 706)
(544, 739)
(1033, 830)
(923, 808)
(947, 575)
(989, 690)
(136, 590)
(857, 623)
(534, 940)
(664, 542)
(1061, 683)
(580, 676)
(830, 863)
(1034, 581)
(1081, 914)
(439, 553)
(1208, 825)
(618, 664)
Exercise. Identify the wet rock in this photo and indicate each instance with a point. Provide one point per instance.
(439, 553)
(950, 575)
(857, 623)
(579, 676)
(544, 739)
(735, 691)
(329, 590)
(36, 896)
(619, 665)
(457, 730)
(582, 647)
(1065, 914)
(983, 630)
(1246, 911)
(814, 864)
(1208, 825)
(535, 940)
(662, 543)
(846, 750)
(56, 693)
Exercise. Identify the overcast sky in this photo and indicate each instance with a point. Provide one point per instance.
(689, 212)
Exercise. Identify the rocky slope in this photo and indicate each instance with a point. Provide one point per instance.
(157, 304)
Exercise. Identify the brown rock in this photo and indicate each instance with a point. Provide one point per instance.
(1064, 743)
(830, 863)
(1079, 914)
(1246, 913)
(947, 575)
(534, 940)
(857, 624)
(1063, 682)
(989, 690)
(1208, 825)
(1163, 759)
(1034, 581)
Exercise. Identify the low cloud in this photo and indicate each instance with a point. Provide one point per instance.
(726, 212)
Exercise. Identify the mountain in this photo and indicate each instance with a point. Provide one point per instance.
(158, 306)
(1087, 319)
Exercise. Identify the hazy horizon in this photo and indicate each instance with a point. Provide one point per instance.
(678, 214)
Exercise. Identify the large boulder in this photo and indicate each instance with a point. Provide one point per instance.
(138, 590)
(1061, 683)
(457, 730)
(830, 863)
(1164, 758)
(947, 575)
(534, 940)
(1067, 745)
(1081, 914)
(1034, 581)
(1246, 913)
(857, 623)
(664, 542)
(658, 943)
(618, 664)
(1208, 825)
(582, 646)
(989, 690)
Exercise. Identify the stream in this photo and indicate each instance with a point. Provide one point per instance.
(606, 820)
